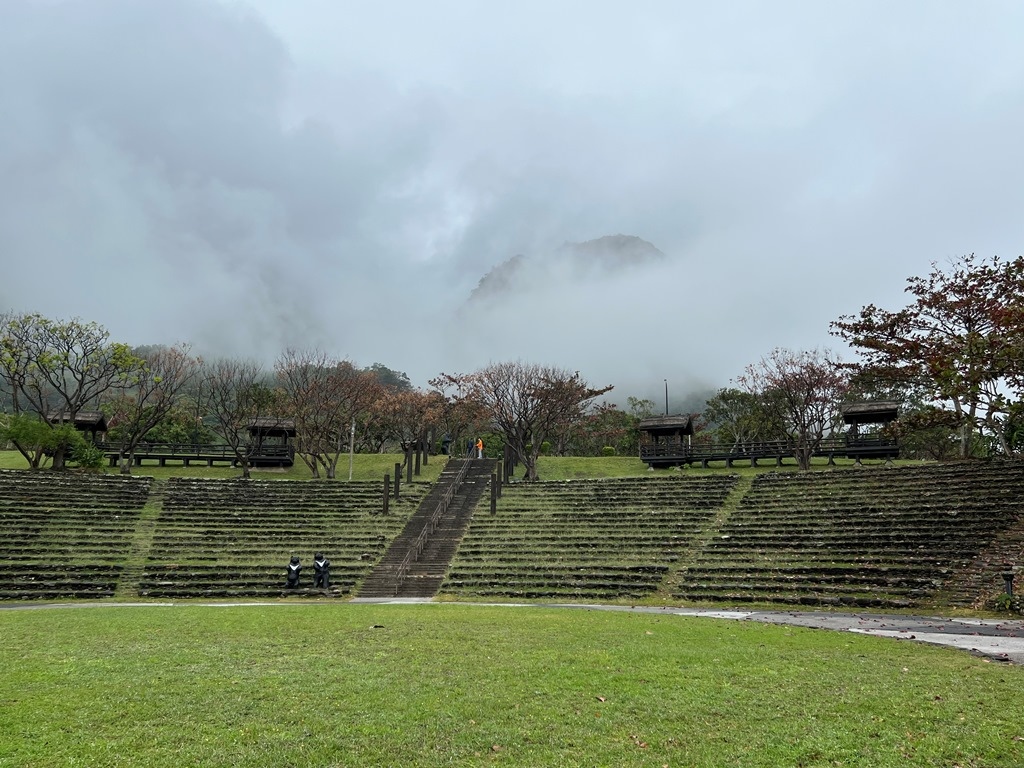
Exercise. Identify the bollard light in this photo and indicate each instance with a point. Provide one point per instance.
(1008, 579)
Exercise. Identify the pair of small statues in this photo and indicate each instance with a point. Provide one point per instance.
(321, 572)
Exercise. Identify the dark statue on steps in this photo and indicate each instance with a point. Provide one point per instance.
(293, 570)
(322, 569)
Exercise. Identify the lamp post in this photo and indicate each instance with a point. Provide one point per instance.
(351, 446)
(666, 397)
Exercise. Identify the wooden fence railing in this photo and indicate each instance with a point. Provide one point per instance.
(845, 446)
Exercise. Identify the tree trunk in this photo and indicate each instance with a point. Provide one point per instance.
(530, 461)
(245, 467)
(803, 457)
(328, 462)
(965, 440)
(126, 458)
(310, 461)
(34, 459)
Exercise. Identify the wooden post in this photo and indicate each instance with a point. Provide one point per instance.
(387, 491)
(494, 493)
(408, 465)
(428, 444)
(398, 478)
(419, 449)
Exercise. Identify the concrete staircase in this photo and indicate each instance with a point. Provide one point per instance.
(403, 573)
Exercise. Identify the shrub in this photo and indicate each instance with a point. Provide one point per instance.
(608, 450)
(86, 455)
(1005, 603)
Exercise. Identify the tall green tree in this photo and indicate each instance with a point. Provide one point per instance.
(741, 418)
(960, 339)
(58, 368)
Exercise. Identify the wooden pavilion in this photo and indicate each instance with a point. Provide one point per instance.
(664, 439)
(270, 442)
(92, 423)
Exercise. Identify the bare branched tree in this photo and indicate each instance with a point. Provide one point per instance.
(529, 403)
(325, 397)
(802, 391)
(238, 396)
(151, 393)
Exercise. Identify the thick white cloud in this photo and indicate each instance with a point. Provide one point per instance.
(255, 175)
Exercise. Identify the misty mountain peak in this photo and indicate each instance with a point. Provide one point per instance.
(573, 262)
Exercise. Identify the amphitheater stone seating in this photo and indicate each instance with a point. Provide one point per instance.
(232, 538)
(65, 535)
(584, 539)
(888, 537)
(884, 537)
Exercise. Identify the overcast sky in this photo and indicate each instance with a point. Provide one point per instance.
(258, 174)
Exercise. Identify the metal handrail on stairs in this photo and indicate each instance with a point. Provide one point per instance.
(417, 548)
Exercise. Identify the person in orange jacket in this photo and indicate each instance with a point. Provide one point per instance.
(479, 448)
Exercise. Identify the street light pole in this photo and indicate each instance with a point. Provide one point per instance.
(666, 397)
(351, 446)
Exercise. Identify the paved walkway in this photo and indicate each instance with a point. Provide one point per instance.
(996, 639)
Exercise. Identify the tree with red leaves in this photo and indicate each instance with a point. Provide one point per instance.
(961, 339)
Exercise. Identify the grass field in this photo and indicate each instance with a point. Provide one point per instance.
(373, 466)
(426, 685)
(366, 466)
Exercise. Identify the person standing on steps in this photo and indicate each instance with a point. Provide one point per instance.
(479, 448)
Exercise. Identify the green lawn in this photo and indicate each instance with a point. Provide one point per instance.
(580, 467)
(426, 685)
(373, 466)
(366, 466)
